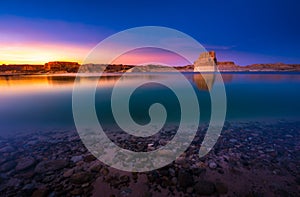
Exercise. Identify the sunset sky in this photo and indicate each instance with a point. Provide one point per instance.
(35, 32)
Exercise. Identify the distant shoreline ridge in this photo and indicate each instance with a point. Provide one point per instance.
(207, 62)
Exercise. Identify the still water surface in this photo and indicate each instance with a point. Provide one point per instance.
(38, 102)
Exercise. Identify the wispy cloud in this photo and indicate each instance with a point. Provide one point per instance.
(219, 47)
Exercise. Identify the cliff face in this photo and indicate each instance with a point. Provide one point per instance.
(227, 66)
(271, 67)
(15, 68)
(62, 66)
(71, 67)
(231, 66)
(206, 62)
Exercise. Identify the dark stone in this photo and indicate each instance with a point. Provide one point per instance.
(96, 168)
(298, 180)
(48, 179)
(7, 149)
(89, 158)
(40, 193)
(7, 166)
(185, 179)
(52, 165)
(80, 177)
(76, 191)
(204, 188)
(25, 163)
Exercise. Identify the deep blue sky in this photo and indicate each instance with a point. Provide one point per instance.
(243, 31)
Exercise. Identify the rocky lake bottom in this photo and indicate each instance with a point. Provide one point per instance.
(249, 159)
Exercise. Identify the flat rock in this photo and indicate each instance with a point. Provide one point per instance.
(40, 193)
(7, 166)
(89, 158)
(96, 167)
(13, 182)
(76, 191)
(6, 149)
(76, 159)
(68, 173)
(180, 161)
(51, 165)
(25, 163)
(29, 186)
(80, 177)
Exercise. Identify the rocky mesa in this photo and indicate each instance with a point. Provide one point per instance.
(207, 62)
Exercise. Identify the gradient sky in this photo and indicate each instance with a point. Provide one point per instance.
(245, 32)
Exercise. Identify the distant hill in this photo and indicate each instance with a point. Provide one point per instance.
(207, 61)
(231, 66)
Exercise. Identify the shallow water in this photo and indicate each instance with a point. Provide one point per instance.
(38, 102)
(255, 155)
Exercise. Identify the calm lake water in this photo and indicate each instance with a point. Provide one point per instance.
(39, 102)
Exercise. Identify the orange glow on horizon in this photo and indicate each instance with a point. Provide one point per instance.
(41, 53)
(151, 55)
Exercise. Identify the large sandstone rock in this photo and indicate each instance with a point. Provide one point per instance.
(62, 66)
(206, 62)
(228, 66)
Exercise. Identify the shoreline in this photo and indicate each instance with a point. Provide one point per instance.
(119, 73)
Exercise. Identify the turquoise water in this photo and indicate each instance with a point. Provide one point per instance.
(39, 102)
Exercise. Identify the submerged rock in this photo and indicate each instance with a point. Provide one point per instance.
(50, 165)
(25, 163)
(212, 165)
(6, 149)
(68, 173)
(40, 193)
(76, 159)
(80, 177)
(7, 166)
